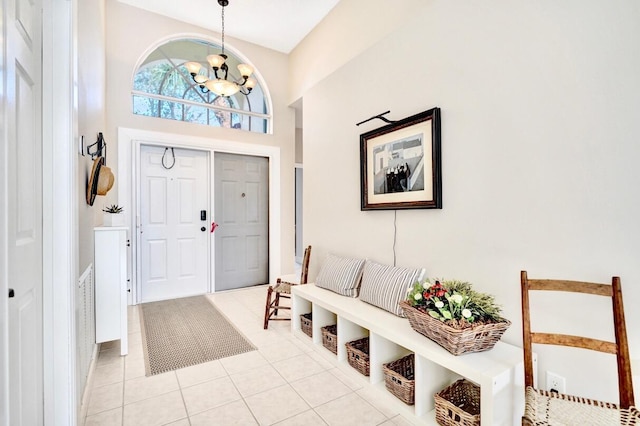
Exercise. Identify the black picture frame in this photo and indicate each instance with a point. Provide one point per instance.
(400, 164)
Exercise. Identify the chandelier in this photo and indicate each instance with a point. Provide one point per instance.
(222, 85)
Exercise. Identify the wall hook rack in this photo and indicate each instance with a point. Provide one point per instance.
(100, 145)
(379, 116)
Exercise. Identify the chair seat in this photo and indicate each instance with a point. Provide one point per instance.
(284, 287)
(550, 408)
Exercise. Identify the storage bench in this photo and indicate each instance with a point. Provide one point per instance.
(498, 371)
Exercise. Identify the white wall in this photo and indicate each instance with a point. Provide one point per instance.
(91, 115)
(350, 28)
(539, 145)
(132, 34)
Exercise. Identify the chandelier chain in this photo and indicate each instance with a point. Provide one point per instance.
(223, 30)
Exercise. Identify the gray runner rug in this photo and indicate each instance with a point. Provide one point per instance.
(182, 332)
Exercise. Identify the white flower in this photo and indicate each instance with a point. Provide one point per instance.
(457, 298)
(426, 285)
(417, 296)
(466, 313)
(439, 304)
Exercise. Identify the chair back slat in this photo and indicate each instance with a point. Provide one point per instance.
(571, 286)
(574, 342)
(620, 347)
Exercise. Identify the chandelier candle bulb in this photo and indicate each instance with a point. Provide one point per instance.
(193, 68)
(245, 70)
(200, 79)
(216, 61)
(251, 83)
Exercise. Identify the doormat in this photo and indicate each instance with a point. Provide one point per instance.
(179, 333)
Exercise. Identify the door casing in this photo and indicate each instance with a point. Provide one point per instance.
(129, 143)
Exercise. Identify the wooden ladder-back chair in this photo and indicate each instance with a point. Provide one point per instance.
(552, 408)
(282, 289)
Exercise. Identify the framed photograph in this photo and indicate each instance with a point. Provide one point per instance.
(400, 166)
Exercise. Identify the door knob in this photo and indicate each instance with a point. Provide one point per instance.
(203, 229)
(11, 293)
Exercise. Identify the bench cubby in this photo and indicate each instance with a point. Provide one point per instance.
(498, 372)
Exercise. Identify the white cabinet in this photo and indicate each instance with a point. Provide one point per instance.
(110, 260)
(499, 372)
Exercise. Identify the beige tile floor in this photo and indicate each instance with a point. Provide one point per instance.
(286, 382)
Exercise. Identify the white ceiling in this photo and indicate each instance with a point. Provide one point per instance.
(276, 24)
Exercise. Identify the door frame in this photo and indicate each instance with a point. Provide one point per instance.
(129, 143)
(60, 218)
(298, 213)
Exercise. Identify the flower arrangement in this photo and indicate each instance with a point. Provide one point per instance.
(454, 302)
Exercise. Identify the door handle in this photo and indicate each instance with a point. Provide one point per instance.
(11, 293)
(203, 229)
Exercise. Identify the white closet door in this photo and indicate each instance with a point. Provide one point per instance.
(21, 192)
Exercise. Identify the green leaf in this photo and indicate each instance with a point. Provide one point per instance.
(434, 314)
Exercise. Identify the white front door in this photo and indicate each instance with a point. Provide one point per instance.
(174, 231)
(242, 213)
(21, 169)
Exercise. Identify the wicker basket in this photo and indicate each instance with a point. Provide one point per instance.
(478, 338)
(358, 355)
(306, 324)
(330, 338)
(458, 404)
(399, 378)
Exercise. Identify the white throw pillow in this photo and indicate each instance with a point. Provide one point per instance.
(341, 275)
(385, 286)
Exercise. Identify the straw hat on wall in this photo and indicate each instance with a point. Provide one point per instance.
(100, 181)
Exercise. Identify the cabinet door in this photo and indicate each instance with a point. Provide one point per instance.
(110, 270)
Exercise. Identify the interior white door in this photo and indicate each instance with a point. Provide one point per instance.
(22, 168)
(241, 191)
(174, 237)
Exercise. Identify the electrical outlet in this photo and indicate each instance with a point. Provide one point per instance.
(556, 383)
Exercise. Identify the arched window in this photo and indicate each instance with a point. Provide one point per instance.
(162, 87)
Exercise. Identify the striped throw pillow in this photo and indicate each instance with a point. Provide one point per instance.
(341, 275)
(385, 286)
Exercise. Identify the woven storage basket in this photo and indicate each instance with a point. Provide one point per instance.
(358, 355)
(458, 404)
(399, 378)
(306, 324)
(548, 408)
(478, 338)
(330, 338)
